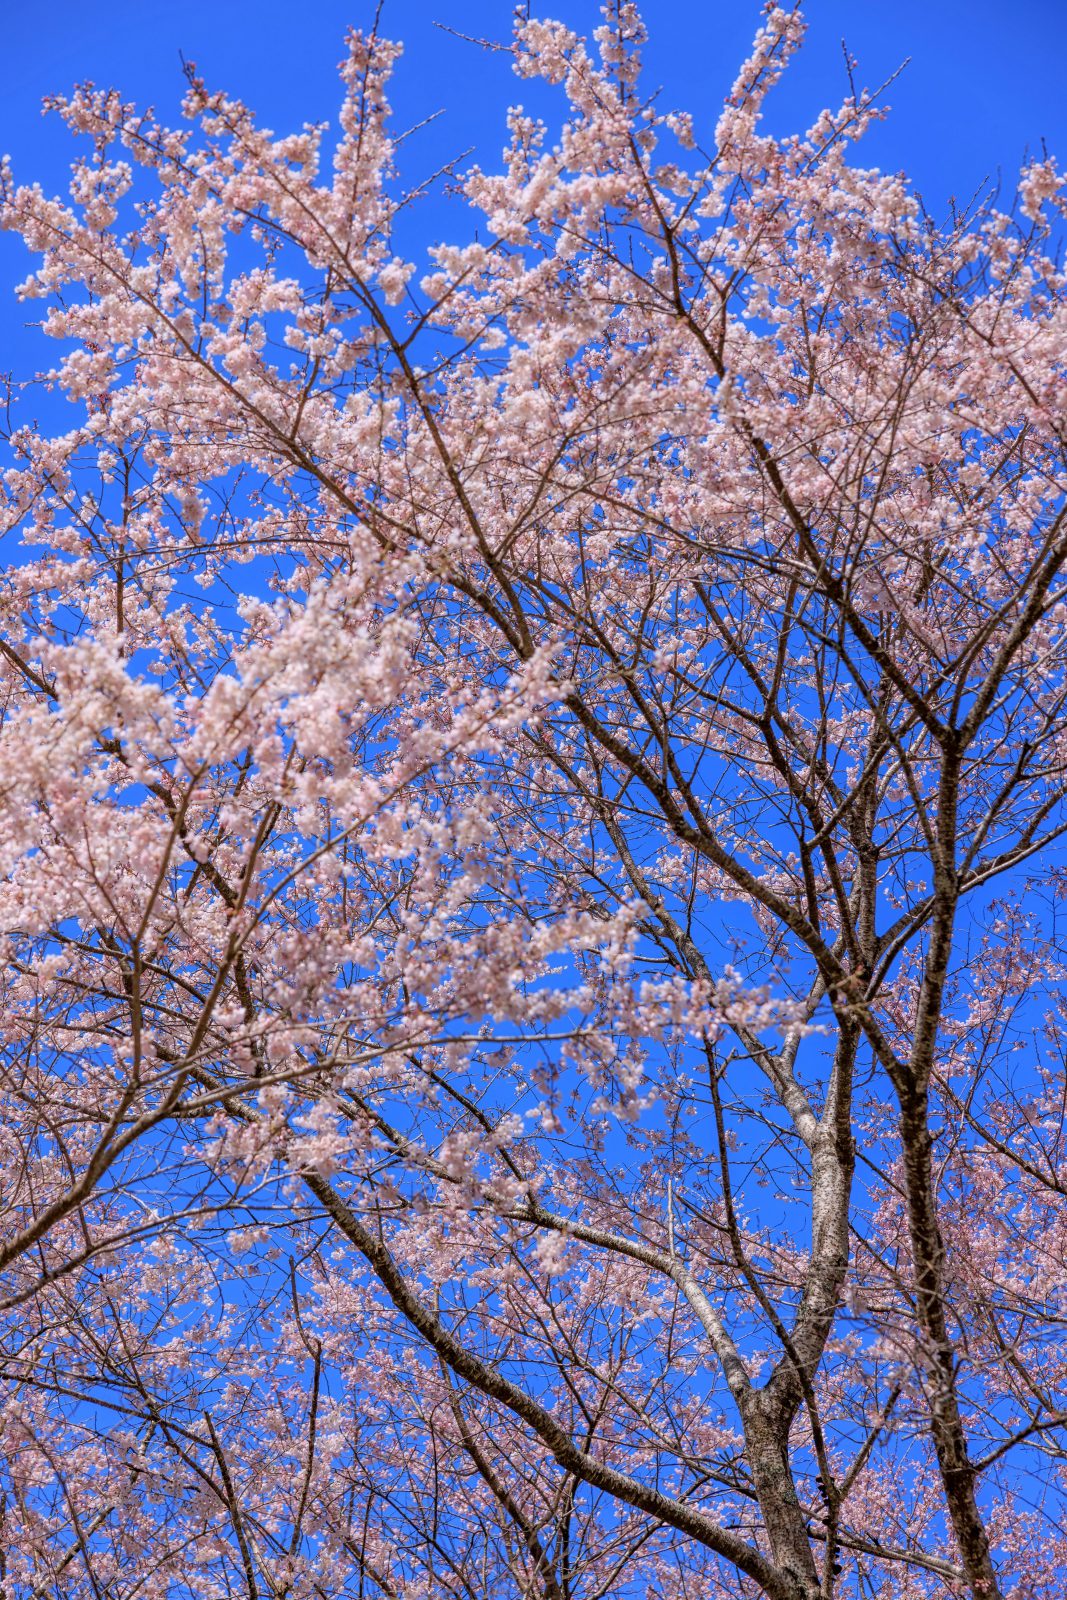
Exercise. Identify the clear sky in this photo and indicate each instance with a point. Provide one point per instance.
(984, 84)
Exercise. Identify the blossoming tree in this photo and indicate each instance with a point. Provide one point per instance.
(531, 794)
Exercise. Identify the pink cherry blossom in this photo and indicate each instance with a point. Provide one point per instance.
(532, 791)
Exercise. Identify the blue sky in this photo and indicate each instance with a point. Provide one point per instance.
(984, 83)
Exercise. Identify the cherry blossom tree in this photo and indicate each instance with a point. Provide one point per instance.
(532, 794)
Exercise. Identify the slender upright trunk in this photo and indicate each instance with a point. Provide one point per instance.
(767, 1422)
(946, 1422)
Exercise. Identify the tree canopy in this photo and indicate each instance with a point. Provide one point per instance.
(531, 796)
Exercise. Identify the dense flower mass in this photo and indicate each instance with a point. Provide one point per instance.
(531, 797)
